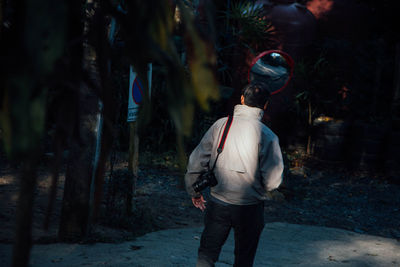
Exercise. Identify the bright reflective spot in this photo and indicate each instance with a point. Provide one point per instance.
(274, 55)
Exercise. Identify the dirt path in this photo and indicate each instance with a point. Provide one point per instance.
(362, 204)
(281, 244)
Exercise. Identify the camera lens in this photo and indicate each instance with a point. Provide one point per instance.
(205, 180)
(200, 185)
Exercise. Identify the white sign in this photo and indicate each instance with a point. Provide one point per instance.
(136, 92)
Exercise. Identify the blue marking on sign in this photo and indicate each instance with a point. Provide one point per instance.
(137, 92)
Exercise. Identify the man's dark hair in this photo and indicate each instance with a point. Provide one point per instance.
(256, 94)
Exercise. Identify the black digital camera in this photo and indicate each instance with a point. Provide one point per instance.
(206, 179)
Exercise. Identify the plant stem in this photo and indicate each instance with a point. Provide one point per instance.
(309, 128)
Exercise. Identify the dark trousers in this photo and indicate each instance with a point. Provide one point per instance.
(247, 222)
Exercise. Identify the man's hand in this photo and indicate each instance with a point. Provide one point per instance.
(199, 203)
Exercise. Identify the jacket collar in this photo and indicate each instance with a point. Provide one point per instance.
(246, 111)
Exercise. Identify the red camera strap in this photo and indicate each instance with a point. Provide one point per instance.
(223, 138)
(225, 133)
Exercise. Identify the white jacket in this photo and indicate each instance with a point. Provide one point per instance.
(250, 164)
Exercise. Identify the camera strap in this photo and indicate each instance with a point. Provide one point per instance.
(223, 138)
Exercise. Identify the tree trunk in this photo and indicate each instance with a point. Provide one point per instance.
(24, 214)
(103, 45)
(133, 164)
(75, 207)
(396, 91)
(309, 128)
(90, 148)
(76, 201)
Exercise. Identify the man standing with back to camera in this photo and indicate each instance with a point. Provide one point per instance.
(249, 166)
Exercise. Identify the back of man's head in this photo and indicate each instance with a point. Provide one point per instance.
(256, 94)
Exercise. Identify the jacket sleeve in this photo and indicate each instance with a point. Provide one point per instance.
(199, 161)
(271, 165)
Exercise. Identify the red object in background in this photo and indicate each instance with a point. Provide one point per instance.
(343, 92)
(343, 19)
(288, 59)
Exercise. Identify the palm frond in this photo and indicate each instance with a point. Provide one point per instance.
(250, 22)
